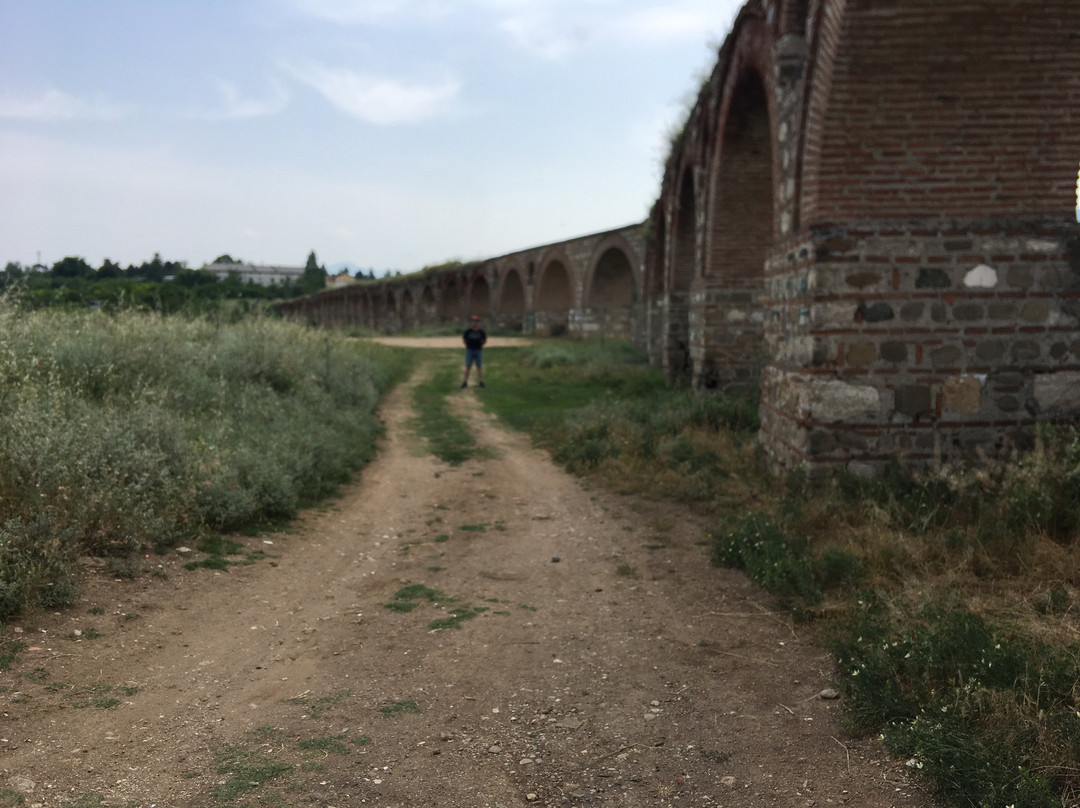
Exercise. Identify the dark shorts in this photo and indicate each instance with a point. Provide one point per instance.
(474, 356)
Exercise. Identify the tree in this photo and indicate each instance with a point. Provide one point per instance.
(314, 277)
(225, 258)
(109, 270)
(72, 267)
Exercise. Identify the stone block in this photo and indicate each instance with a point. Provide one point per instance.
(981, 277)
(966, 312)
(946, 356)
(1058, 394)
(1026, 350)
(913, 400)
(822, 441)
(1007, 403)
(878, 312)
(1002, 310)
(861, 280)
(861, 354)
(1019, 277)
(895, 352)
(1035, 311)
(831, 400)
(990, 350)
(912, 311)
(932, 278)
(962, 394)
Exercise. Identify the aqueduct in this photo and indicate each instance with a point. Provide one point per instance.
(869, 218)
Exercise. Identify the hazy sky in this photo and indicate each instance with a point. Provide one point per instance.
(386, 133)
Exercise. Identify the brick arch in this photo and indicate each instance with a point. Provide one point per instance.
(428, 306)
(451, 298)
(479, 296)
(741, 216)
(408, 309)
(925, 128)
(553, 297)
(612, 279)
(512, 295)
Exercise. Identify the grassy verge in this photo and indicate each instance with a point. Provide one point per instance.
(947, 599)
(120, 433)
(447, 436)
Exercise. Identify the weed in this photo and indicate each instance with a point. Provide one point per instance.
(442, 537)
(362, 740)
(527, 607)
(334, 745)
(419, 591)
(477, 528)
(399, 708)
(456, 618)
(10, 798)
(403, 606)
(781, 566)
(246, 770)
(97, 610)
(627, 571)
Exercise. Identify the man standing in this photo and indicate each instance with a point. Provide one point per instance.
(474, 338)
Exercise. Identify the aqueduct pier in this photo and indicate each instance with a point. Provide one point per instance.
(869, 218)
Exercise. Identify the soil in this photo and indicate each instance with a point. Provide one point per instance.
(607, 663)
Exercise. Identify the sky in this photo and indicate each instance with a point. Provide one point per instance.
(387, 134)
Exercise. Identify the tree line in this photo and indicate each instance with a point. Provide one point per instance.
(157, 284)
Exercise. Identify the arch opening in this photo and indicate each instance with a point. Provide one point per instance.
(512, 301)
(451, 302)
(479, 297)
(742, 217)
(612, 284)
(554, 298)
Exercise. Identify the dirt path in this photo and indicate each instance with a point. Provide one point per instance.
(607, 663)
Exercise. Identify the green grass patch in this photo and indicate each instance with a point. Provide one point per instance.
(446, 436)
(399, 708)
(326, 744)
(477, 528)
(403, 606)
(456, 618)
(245, 770)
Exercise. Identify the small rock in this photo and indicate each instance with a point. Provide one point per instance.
(650, 716)
(555, 559)
(828, 694)
(525, 762)
(531, 797)
(728, 781)
(494, 749)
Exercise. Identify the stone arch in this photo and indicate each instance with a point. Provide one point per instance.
(512, 297)
(408, 310)
(554, 298)
(741, 215)
(479, 296)
(727, 343)
(428, 306)
(512, 302)
(451, 299)
(610, 290)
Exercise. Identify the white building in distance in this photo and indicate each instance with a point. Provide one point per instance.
(262, 275)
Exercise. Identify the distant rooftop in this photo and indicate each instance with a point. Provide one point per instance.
(262, 275)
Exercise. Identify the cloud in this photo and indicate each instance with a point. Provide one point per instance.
(553, 30)
(55, 105)
(378, 99)
(232, 105)
(369, 12)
